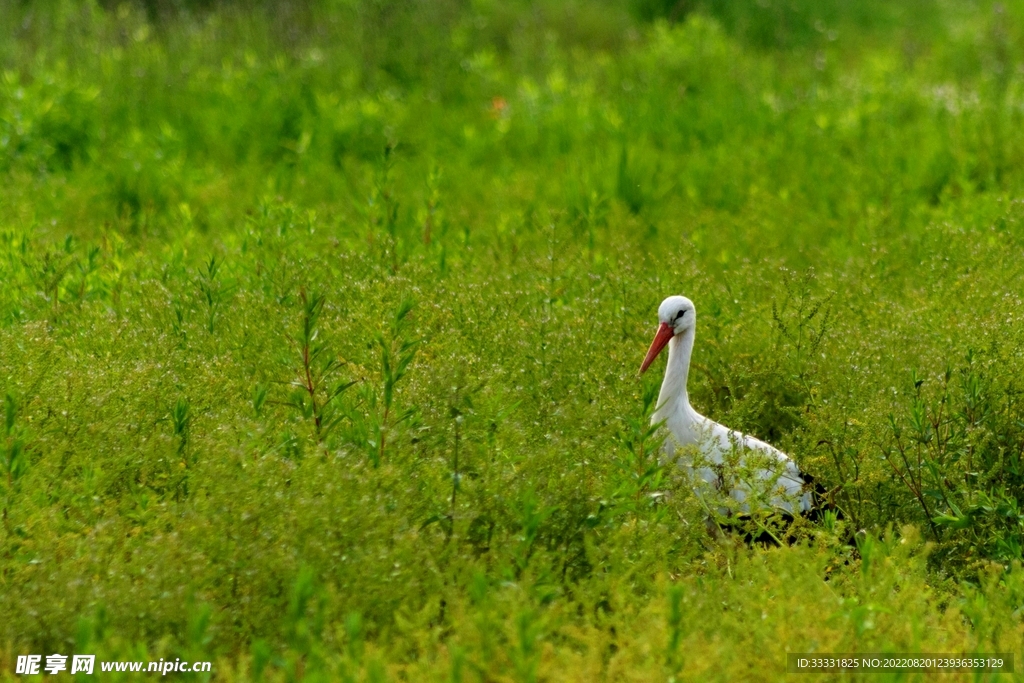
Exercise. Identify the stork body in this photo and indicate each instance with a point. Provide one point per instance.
(764, 472)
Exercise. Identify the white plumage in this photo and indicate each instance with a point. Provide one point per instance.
(761, 471)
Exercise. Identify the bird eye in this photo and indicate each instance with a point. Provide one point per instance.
(680, 314)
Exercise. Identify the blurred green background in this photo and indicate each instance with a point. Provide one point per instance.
(319, 328)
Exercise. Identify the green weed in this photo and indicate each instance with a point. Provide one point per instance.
(216, 221)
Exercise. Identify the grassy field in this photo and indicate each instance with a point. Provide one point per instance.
(319, 331)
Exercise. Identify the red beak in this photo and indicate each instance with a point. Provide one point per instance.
(665, 332)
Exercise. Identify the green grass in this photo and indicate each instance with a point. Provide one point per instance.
(319, 330)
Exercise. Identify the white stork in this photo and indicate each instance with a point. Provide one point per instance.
(771, 475)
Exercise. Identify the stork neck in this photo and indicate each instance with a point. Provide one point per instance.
(673, 395)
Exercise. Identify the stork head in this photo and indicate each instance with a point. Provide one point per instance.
(675, 316)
